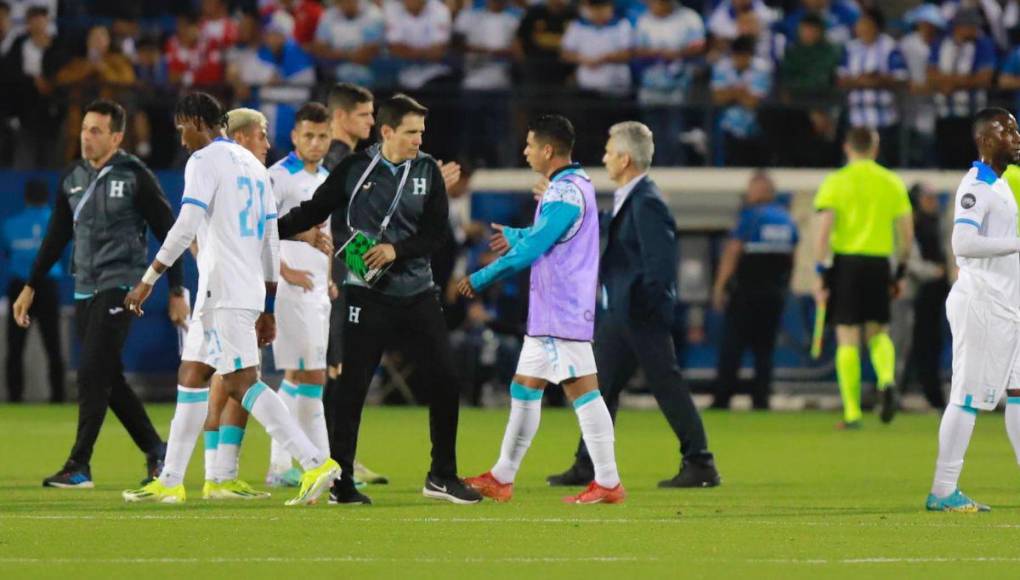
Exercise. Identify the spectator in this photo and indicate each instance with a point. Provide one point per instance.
(960, 74)
(7, 32)
(739, 82)
(350, 35)
(770, 45)
(217, 30)
(306, 15)
(190, 61)
(722, 23)
(669, 38)
(418, 33)
(871, 69)
(487, 35)
(152, 78)
(751, 288)
(808, 69)
(540, 37)
(22, 237)
(919, 108)
(34, 62)
(125, 34)
(8, 91)
(839, 17)
(993, 18)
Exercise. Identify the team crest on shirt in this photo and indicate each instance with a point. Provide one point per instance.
(967, 201)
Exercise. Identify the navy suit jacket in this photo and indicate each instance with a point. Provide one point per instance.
(638, 268)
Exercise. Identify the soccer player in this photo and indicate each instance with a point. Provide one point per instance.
(303, 304)
(983, 306)
(562, 249)
(861, 209)
(229, 187)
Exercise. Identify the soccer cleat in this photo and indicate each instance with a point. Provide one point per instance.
(849, 425)
(694, 475)
(487, 485)
(314, 482)
(595, 493)
(573, 477)
(71, 476)
(155, 492)
(889, 403)
(954, 502)
(235, 489)
(289, 478)
(209, 489)
(364, 474)
(451, 489)
(347, 494)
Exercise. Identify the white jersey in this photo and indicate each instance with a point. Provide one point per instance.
(291, 186)
(233, 187)
(985, 201)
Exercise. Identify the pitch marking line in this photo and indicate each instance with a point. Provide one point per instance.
(326, 559)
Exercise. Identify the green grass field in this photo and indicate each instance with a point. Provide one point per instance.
(798, 500)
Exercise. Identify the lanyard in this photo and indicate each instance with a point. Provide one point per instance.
(88, 192)
(396, 199)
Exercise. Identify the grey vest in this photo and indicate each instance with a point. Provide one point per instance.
(110, 249)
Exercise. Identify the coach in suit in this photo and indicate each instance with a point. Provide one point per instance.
(637, 293)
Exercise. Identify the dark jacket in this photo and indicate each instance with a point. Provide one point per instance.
(418, 226)
(110, 248)
(639, 264)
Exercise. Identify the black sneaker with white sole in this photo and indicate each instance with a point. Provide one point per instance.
(451, 489)
(890, 403)
(346, 494)
(72, 475)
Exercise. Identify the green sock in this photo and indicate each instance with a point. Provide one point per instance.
(848, 373)
(883, 358)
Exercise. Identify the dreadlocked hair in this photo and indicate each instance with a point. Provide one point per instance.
(202, 107)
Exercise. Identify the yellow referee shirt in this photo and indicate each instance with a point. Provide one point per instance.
(866, 199)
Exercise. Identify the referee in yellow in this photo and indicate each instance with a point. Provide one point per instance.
(864, 216)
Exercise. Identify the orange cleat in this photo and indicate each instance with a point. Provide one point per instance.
(595, 493)
(487, 485)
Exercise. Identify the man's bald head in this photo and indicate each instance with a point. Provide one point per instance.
(987, 117)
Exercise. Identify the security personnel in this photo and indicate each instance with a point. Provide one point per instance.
(863, 215)
(107, 201)
(394, 193)
(754, 274)
(22, 236)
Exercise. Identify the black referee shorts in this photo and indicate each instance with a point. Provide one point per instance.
(859, 290)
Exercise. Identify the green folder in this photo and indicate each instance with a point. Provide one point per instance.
(353, 252)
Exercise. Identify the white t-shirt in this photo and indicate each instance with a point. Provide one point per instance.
(291, 186)
(588, 40)
(429, 28)
(667, 81)
(482, 28)
(342, 33)
(990, 207)
(233, 187)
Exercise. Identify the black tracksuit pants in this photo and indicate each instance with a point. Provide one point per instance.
(373, 323)
(923, 362)
(752, 321)
(102, 324)
(623, 345)
(45, 313)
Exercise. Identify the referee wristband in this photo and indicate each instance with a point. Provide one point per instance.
(821, 268)
(270, 304)
(151, 276)
(901, 271)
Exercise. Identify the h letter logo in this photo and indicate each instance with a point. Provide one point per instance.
(354, 314)
(419, 186)
(116, 189)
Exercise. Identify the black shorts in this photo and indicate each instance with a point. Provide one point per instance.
(859, 290)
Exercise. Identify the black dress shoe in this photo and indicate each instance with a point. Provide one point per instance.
(573, 477)
(694, 475)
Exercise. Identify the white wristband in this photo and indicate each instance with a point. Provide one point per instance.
(151, 276)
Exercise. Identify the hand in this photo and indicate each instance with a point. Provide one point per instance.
(464, 287)
(820, 291)
(334, 290)
(177, 308)
(300, 278)
(451, 173)
(318, 239)
(265, 329)
(136, 297)
(539, 190)
(22, 305)
(497, 241)
(899, 288)
(719, 299)
(380, 255)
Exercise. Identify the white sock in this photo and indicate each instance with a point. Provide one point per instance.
(267, 408)
(189, 418)
(311, 415)
(212, 443)
(525, 415)
(597, 431)
(954, 437)
(228, 453)
(1013, 424)
(279, 459)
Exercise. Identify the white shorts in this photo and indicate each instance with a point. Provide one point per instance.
(555, 360)
(191, 347)
(228, 340)
(985, 348)
(302, 334)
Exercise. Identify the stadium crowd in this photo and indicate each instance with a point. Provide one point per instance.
(725, 82)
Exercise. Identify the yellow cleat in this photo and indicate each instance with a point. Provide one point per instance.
(314, 482)
(235, 489)
(156, 492)
(209, 489)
